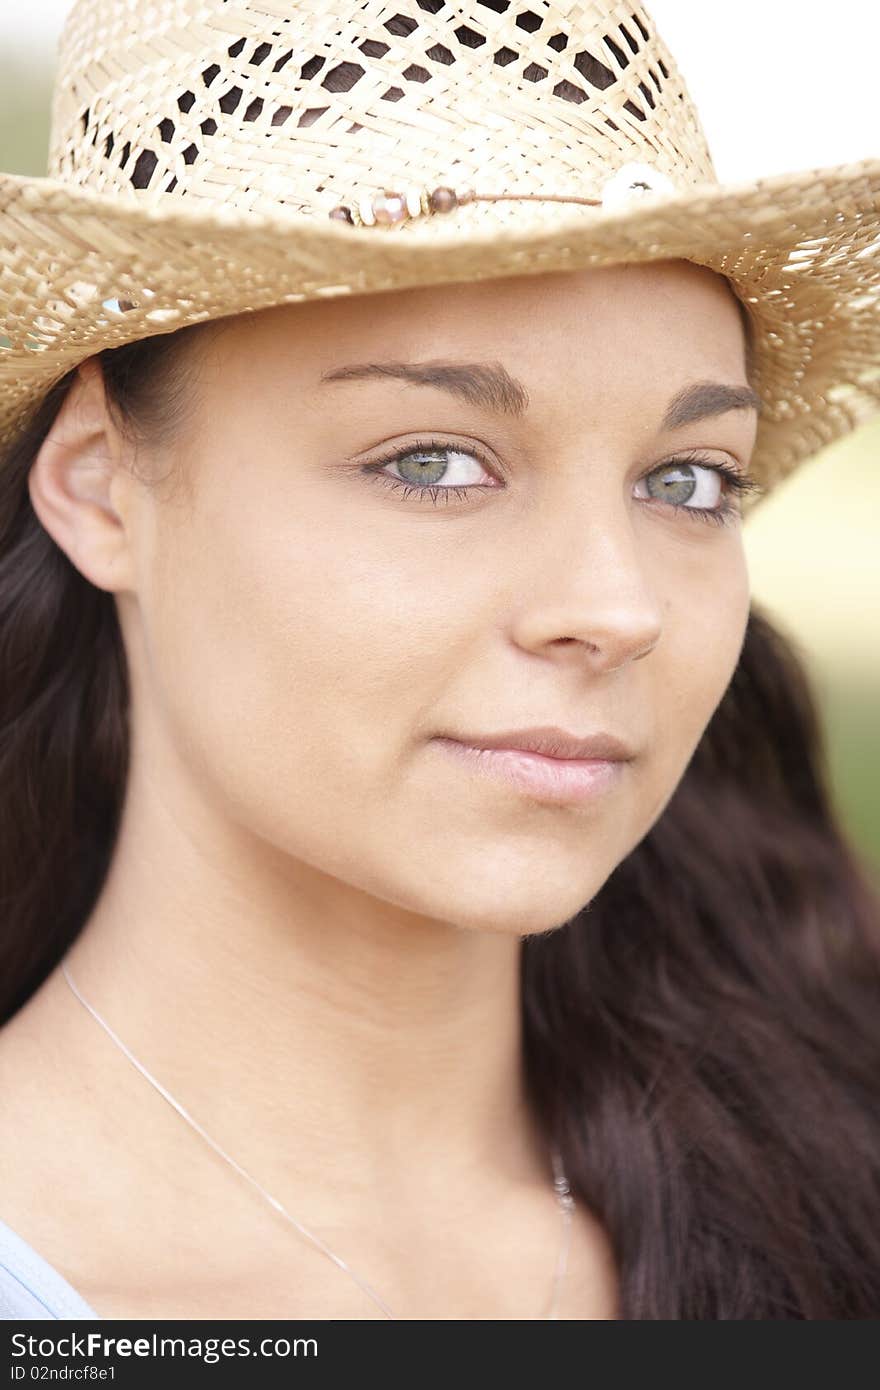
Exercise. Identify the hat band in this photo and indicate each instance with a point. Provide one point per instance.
(390, 208)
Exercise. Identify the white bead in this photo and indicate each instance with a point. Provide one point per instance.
(632, 182)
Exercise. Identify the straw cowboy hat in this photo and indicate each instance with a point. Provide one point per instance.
(214, 156)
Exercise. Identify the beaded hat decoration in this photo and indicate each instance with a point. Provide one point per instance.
(213, 157)
(390, 208)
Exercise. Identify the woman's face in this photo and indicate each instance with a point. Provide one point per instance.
(304, 631)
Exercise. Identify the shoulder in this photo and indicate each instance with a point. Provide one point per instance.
(30, 1287)
(32, 1113)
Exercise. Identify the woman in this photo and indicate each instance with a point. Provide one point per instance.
(277, 590)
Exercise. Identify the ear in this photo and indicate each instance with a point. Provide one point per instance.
(79, 487)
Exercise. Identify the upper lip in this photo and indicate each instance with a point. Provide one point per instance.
(554, 742)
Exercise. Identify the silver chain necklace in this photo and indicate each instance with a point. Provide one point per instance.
(560, 1182)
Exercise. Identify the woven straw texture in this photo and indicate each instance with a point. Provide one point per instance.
(198, 147)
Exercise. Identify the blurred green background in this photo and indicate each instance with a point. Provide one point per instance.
(813, 545)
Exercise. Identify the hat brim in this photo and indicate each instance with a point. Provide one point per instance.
(802, 251)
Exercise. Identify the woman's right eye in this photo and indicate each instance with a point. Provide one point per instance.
(425, 468)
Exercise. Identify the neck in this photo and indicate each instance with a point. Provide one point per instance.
(307, 1025)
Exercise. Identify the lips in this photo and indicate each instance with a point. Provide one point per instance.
(539, 777)
(553, 742)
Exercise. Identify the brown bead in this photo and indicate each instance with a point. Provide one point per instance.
(342, 214)
(443, 200)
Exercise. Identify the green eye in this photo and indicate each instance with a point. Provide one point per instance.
(434, 470)
(714, 484)
(423, 467)
(673, 482)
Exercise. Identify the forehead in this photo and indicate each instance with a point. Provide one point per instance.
(568, 302)
(599, 335)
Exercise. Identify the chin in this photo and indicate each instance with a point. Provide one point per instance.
(521, 906)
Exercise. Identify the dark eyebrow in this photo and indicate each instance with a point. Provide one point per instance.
(490, 386)
(707, 398)
(484, 384)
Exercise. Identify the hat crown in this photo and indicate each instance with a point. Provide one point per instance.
(268, 104)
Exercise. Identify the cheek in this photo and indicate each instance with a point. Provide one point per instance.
(706, 621)
(289, 652)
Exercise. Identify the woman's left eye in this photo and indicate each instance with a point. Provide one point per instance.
(713, 485)
(422, 466)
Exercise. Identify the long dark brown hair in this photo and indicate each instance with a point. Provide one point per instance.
(702, 1039)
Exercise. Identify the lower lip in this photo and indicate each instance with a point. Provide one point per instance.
(559, 780)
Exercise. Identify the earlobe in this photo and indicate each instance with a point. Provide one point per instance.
(77, 480)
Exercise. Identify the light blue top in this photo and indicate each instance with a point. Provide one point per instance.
(30, 1287)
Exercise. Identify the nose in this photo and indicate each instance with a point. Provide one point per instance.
(591, 598)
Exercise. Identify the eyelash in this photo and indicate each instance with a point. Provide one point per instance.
(737, 483)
